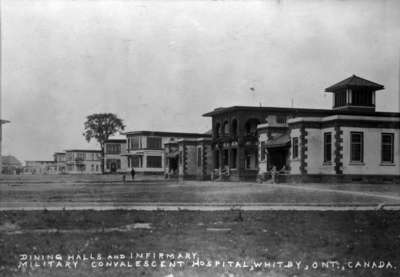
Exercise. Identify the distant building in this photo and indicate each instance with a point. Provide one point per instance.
(80, 161)
(40, 167)
(145, 149)
(189, 158)
(11, 165)
(350, 142)
(115, 160)
(60, 160)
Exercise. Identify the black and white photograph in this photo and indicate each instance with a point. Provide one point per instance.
(199, 138)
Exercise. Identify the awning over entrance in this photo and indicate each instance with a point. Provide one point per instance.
(281, 141)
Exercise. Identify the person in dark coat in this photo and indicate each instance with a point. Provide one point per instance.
(133, 173)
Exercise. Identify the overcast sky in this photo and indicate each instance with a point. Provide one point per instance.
(160, 65)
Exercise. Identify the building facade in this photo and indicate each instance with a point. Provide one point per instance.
(11, 165)
(235, 137)
(60, 160)
(145, 149)
(115, 159)
(252, 141)
(189, 159)
(79, 161)
(351, 143)
(40, 168)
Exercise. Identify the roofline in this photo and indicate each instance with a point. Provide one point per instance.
(49, 161)
(297, 110)
(3, 121)
(339, 86)
(252, 108)
(83, 150)
(115, 140)
(168, 134)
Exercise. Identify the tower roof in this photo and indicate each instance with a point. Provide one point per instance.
(354, 82)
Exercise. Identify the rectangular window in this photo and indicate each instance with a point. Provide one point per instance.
(295, 148)
(70, 156)
(340, 99)
(281, 119)
(199, 156)
(80, 156)
(113, 148)
(154, 143)
(154, 161)
(327, 147)
(135, 143)
(356, 147)
(387, 148)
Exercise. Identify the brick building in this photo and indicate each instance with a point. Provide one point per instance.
(248, 141)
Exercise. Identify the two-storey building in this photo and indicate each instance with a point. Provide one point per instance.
(115, 159)
(60, 161)
(235, 137)
(40, 167)
(80, 161)
(248, 141)
(145, 149)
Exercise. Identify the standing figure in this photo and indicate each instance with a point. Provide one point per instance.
(133, 173)
(273, 174)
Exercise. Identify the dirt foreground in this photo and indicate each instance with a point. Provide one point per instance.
(190, 243)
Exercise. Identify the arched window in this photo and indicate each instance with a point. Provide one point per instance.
(251, 127)
(217, 130)
(226, 128)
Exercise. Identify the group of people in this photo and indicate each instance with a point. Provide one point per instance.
(132, 175)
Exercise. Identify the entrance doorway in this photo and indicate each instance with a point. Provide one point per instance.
(278, 157)
(113, 167)
(173, 165)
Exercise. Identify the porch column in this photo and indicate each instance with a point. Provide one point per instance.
(220, 161)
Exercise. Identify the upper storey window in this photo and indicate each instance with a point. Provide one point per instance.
(217, 130)
(154, 143)
(226, 128)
